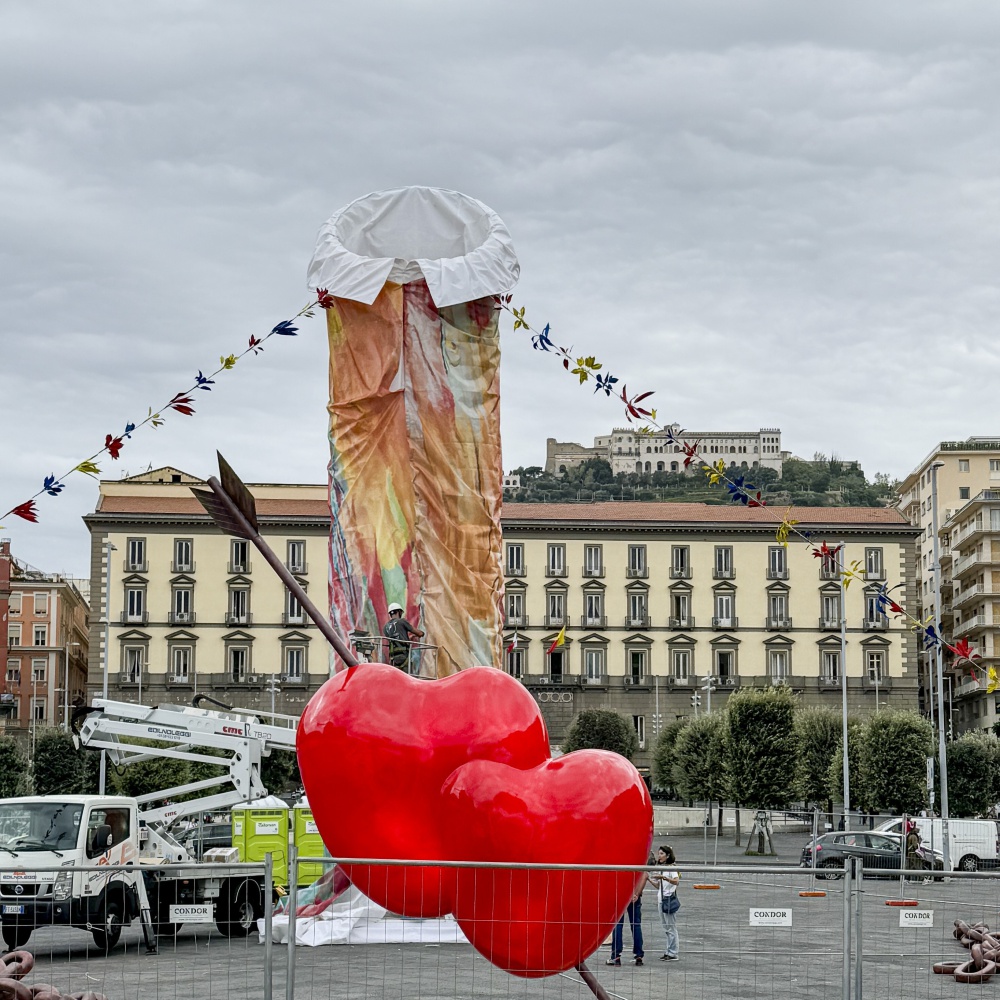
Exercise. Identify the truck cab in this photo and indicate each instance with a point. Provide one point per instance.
(63, 833)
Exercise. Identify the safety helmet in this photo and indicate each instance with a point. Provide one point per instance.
(395, 607)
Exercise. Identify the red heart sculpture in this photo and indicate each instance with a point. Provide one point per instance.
(375, 746)
(589, 807)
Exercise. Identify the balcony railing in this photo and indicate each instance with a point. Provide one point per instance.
(181, 617)
(830, 624)
(182, 567)
(179, 680)
(300, 619)
(246, 619)
(556, 571)
(777, 574)
(593, 680)
(632, 680)
(683, 621)
(636, 572)
(637, 622)
(976, 621)
(235, 680)
(136, 567)
(725, 622)
(554, 621)
(130, 678)
(514, 571)
(880, 624)
(300, 569)
(295, 680)
(680, 572)
(829, 681)
(874, 574)
(829, 572)
(515, 621)
(238, 567)
(719, 573)
(778, 623)
(587, 621)
(593, 571)
(134, 619)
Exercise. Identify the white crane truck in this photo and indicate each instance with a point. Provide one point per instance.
(146, 873)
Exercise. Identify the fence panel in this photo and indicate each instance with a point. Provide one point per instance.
(195, 959)
(908, 927)
(744, 930)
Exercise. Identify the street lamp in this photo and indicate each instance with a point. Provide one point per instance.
(274, 686)
(69, 646)
(938, 659)
(108, 549)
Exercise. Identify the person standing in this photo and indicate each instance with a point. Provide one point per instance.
(913, 859)
(398, 631)
(667, 881)
(634, 913)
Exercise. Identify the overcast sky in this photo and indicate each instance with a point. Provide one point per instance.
(771, 213)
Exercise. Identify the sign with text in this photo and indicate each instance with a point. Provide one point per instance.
(916, 918)
(191, 913)
(271, 826)
(760, 917)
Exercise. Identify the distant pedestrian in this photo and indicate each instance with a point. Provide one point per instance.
(634, 913)
(667, 881)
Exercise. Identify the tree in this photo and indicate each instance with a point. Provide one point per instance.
(13, 768)
(698, 760)
(894, 761)
(760, 749)
(146, 776)
(856, 734)
(602, 729)
(818, 736)
(57, 768)
(663, 756)
(972, 771)
(280, 772)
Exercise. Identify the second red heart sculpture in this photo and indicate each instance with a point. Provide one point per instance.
(375, 746)
(590, 807)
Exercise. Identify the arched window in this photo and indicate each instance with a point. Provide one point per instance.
(674, 467)
(648, 468)
(659, 466)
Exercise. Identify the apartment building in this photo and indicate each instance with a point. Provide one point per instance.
(44, 632)
(964, 470)
(195, 611)
(630, 452)
(657, 597)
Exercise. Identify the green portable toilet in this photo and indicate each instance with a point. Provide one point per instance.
(259, 831)
(308, 843)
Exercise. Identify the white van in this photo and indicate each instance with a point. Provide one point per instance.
(974, 844)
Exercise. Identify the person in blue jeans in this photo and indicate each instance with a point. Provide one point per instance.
(634, 913)
(666, 882)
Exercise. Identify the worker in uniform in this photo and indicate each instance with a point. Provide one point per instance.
(398, 631)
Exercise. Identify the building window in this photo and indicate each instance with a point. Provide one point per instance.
(294, 615)
(593, 662)
(13, 636)
(637, 611)
(180, 663)
(873, 614)
(777, 610)
(777, 563)
(38, 709)
(515, 608)
(41, 635)
(556, 561)
(515, 560)
(514, 662)
(295, 659)
(723, 562)
(41, 602)
(38, 671)
(134, 658)
(875, 665)
(680, 562)
(725, 664)
(593, 610)
(829, 664)
(14, 671)
(639, 722)
(829, 611)
(963, 465)
(680, 610)
(14, 603)
(135, 604)
(680, 664)
(636, 561)
(995, 465)
(297, 557)
(873, 565)
(182, 600)
(183, 555)
(778, 664)
(963, 492)
(239, 605)
(135, 555)
(239, 663)
(556, 603)
(636, 665)
(593, 560)
(239, 556)
(725, 616)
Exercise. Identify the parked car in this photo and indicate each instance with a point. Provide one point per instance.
(199, 840)
(876, 850)
(974, 843)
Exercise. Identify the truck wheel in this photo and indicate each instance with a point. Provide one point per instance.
(970, 863)
(15, 937)
(106, 937)
(237, 914)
